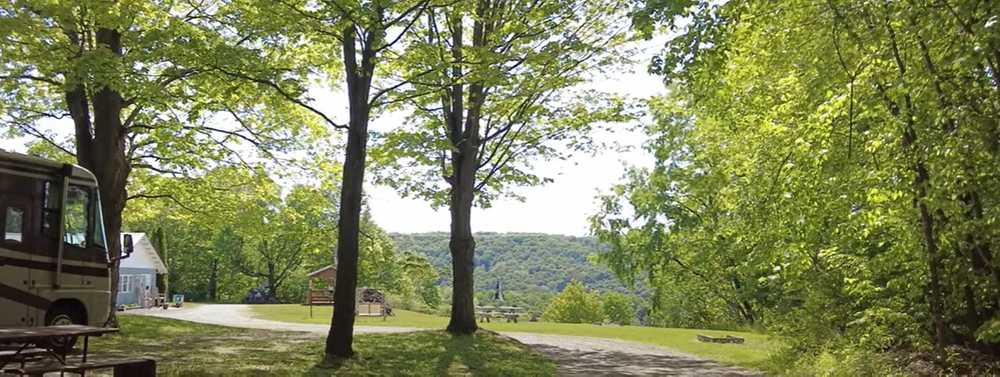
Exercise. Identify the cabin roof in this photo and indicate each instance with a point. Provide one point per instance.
(144, 256)
(321, 270)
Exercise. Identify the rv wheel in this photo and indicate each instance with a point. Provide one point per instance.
(59, 316)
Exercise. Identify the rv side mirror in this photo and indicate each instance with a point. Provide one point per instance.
(127, 246)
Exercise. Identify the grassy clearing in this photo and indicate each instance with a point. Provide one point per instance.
(753, 353)
(191, 349)
(322, 314)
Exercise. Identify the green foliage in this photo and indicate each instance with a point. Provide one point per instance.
(423, 277)
(529, 68)
(845, 362)
(989, 331)
(49, 48)
(618, 308)
(532, 267)
(520, 260)
(823, 170)
(231, 230)
(574, 305)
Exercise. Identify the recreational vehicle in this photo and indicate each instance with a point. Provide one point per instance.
(54, 266)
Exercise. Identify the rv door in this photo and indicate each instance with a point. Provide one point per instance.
(15, 258)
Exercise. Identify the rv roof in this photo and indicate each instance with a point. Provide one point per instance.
(23, 162)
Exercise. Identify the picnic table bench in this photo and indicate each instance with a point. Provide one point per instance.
(40, 350)
(726, 339)
(509, 313)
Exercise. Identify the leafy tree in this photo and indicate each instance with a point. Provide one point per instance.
(222, 241)
(618, 308)
(487, 104)
(124, 74)
(574, 305)
(823, 169)
(423, 277)
(365, 33)
(200, 221)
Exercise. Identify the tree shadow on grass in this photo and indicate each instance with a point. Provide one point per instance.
(191, 349)
(437, 353)
(575, 362)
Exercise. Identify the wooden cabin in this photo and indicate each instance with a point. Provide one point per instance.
(321, 284)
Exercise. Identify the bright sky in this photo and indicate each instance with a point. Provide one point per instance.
(561, 207)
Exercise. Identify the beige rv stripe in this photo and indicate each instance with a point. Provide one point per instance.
(23, 297)
(51, 266)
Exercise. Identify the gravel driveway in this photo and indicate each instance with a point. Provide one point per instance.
(234, 315)
(573, 355)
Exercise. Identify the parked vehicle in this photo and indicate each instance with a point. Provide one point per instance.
(54, 266)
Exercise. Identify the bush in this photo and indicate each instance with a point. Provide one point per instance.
(836, 359)
(618, 308)
(574, 305)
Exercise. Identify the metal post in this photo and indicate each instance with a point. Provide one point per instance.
(67, 172)
(86, 343)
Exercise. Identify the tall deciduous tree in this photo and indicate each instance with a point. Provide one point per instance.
(505, 78)
(141, 83)
(365, 33)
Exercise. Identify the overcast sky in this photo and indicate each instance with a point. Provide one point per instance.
(561, 207)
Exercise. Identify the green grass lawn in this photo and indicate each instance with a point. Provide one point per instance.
(751, 354)
(322, 314)
(191, 349)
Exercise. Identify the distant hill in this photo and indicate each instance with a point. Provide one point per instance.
(528, 264)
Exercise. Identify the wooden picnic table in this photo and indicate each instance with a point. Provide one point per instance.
(34, 334)
(35, 343)
(510, 313)
(45, 337)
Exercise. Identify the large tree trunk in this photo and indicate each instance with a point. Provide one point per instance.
(921, 187)
(100, 147)
(936, 294)
(109, 162)
(272, 281)
(462, 244)
(213, 281)
(465, 162)
(341, 335)
(975, 247)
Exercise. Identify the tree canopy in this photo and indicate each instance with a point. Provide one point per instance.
(823, 168)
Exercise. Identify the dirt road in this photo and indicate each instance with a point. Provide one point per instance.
(573, 355)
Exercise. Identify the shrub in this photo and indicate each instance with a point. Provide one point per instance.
(618, 308)
(574, 305)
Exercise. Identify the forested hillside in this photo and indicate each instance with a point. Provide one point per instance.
(528, 264)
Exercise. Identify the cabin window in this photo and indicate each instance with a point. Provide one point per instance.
(13, 225)
(77, 216)
(130, 282)
(123, 283)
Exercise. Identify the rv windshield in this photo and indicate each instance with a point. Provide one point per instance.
(83, 222)
(98, 227)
